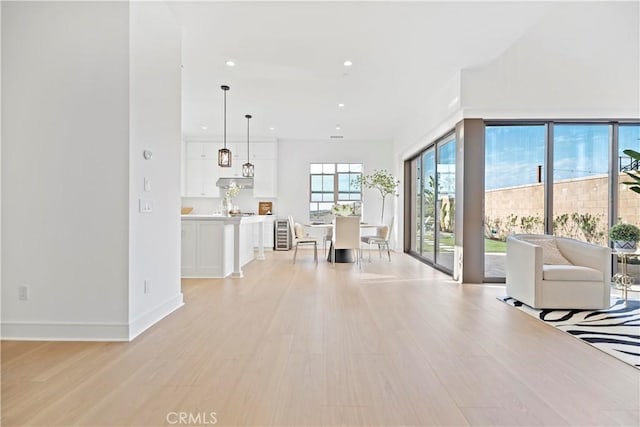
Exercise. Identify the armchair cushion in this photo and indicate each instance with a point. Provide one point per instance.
(550, 252)
(571, 273)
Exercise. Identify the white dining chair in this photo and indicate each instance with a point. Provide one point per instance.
(381, 238)
(346, 235)
(328, 235)
(299, 237)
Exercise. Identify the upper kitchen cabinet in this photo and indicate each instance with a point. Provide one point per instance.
(264, 157)
(201, 170)
(238, 157)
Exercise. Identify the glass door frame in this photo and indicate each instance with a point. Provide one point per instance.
(448, 137)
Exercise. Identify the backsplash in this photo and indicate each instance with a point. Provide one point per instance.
(211, 205)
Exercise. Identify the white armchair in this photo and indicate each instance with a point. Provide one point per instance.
(581, 281)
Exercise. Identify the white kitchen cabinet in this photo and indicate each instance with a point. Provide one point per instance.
(188, 248)
(263, 150)
(218, 246)
(201, 170)
(201, 150)
(265, 178)
(201, 175)
(268, 233)
(264, 158)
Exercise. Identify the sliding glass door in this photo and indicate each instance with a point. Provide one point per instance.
(428, 219)
(432, 203)
(415, 209)
(445, 202)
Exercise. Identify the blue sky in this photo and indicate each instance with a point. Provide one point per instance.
(514, 152)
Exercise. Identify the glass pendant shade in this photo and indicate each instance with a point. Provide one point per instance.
(224, 154)
(247, 168)
(224, 157)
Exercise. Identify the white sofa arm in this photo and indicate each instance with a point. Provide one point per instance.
(586, 255)
(523, 269)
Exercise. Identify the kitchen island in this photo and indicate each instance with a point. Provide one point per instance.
(215, 246)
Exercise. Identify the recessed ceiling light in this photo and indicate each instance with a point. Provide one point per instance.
(341, 105)
(338, 127)
(204, 127)
(230, 63)
(272, 128)
(348, 63)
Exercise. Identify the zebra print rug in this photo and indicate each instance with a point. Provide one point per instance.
(615, 331)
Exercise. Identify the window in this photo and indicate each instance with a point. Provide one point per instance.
(628, 201)
(581, 182)
(333, 183)
(514, 188)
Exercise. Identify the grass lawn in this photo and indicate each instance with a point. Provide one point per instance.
(490, 246)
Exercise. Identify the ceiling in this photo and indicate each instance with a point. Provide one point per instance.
(289, 56)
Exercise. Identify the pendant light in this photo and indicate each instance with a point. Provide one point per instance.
(224, 154)
(247, 168)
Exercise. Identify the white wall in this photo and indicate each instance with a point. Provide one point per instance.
(580, 61)
(155, 103)
(65, 168)
(438, 115)
(294, 158)
(77, 114)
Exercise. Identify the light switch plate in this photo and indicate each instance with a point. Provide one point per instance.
(147, 184)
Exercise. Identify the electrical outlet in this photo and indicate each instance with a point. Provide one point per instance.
(23, 293)
(147, 286)
(146, 206)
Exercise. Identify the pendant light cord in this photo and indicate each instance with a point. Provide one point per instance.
(225, 118)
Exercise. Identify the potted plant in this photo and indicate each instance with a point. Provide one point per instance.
(382, 181)
(624, 236)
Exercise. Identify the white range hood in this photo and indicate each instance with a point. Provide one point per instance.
(241, 182)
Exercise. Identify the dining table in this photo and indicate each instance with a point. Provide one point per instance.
(342, 255)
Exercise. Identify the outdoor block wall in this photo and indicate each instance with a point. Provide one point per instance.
(583, 196)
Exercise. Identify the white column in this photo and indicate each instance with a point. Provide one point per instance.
(261, 240)
(237, 271)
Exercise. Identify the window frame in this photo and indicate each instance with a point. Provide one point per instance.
(336, 199)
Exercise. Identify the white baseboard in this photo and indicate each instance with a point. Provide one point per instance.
(64, 331)
(153, 316)
(76, 331)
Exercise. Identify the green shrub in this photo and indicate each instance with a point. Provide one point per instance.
(625, 232)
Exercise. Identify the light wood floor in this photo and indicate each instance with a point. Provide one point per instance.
(393, 344)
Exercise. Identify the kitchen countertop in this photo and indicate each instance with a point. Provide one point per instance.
(239, 219)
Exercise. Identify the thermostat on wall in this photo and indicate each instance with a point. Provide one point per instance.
(147, 154)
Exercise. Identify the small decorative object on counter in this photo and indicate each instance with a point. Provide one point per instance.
(232, 191)
(265, 208)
